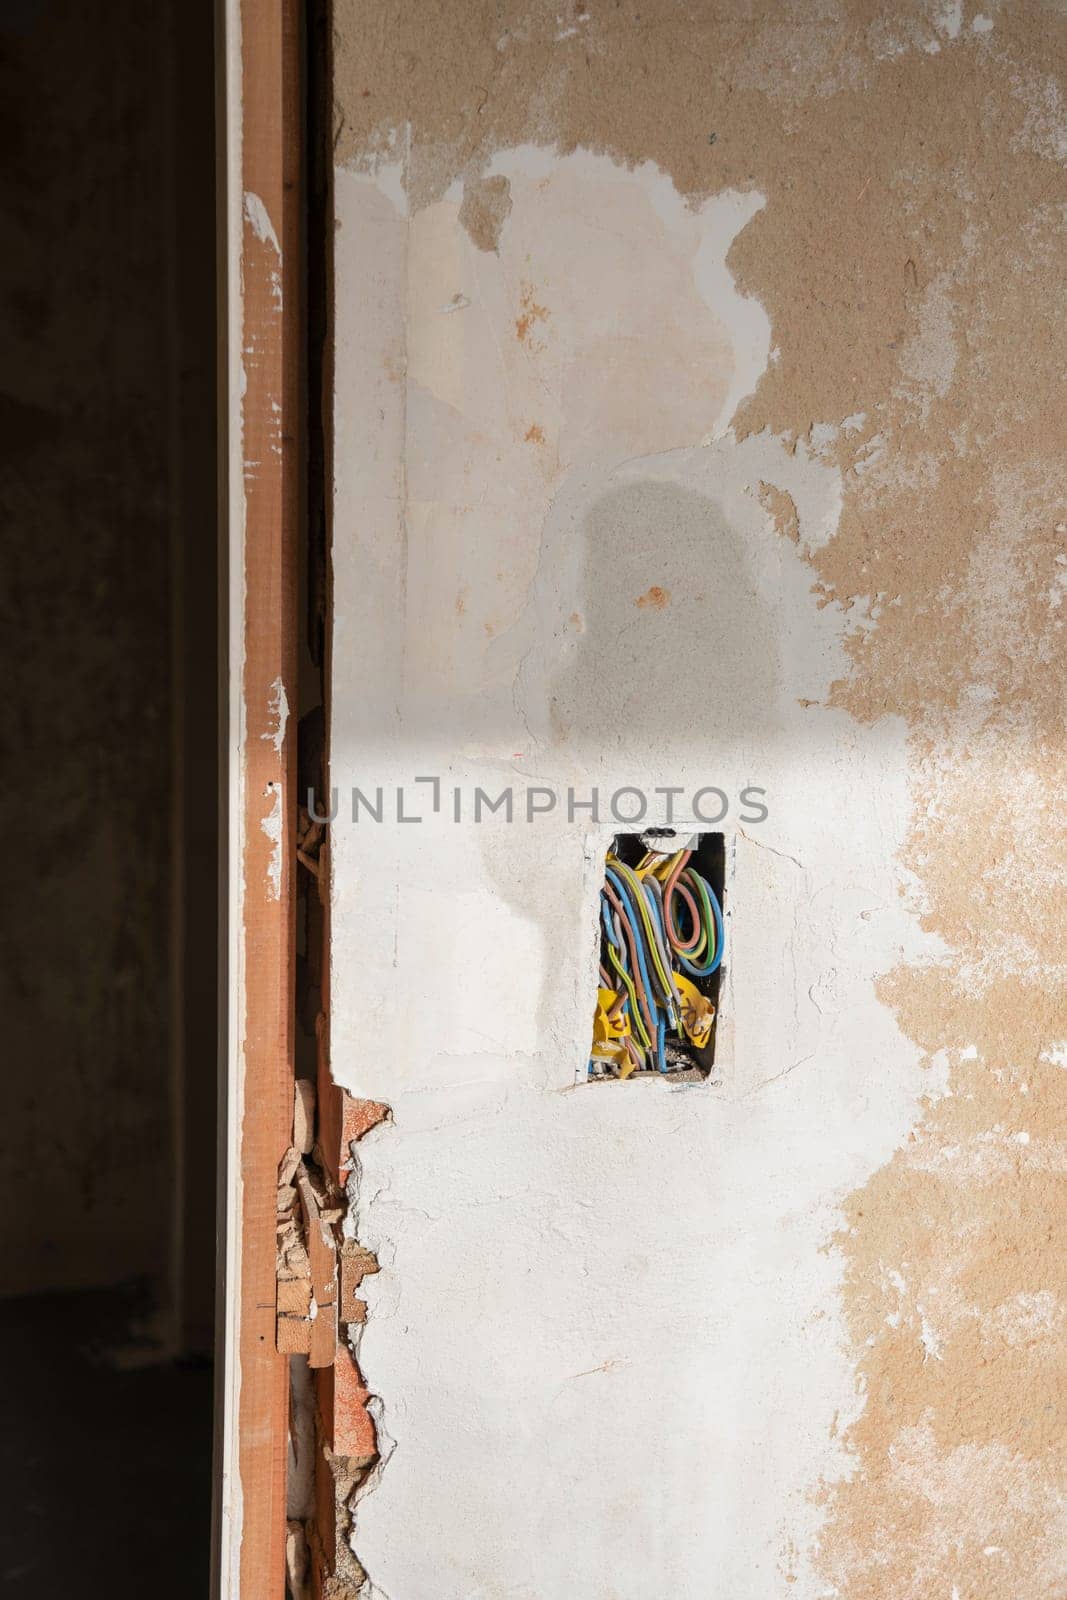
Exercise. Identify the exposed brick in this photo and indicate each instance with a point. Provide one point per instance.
(352, 1424)
(356, 1264)
(323, 1335)
(294, 1296)
(359, 1117)
(294, 1336)
(342, 1118)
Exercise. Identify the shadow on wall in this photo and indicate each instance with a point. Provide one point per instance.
(669, 632)
(644, 633)
(654, 662)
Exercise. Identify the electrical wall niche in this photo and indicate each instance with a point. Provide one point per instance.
(661, 951)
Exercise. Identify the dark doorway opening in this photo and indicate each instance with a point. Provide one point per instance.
(110, 733)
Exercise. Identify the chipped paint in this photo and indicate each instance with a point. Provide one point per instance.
(258, 219)
(271, 825)
(258, 216)
(278, 713)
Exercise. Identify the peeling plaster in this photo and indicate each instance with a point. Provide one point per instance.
(463, 967)
(903, 251)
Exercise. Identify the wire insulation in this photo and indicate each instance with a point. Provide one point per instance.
(660, 921)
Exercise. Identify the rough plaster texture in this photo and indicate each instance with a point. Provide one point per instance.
(748, 336)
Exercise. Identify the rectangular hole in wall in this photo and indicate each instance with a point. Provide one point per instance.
(661, 956)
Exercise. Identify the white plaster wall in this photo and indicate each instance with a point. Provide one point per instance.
(605, 1337)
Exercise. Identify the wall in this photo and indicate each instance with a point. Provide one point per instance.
(107, 356)
(682, 437)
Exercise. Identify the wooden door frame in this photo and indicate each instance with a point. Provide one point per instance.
(261, 468)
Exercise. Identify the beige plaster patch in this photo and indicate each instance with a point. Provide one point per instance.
(486, 207)
(779, 505)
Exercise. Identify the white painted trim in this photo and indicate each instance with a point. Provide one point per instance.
(227, 1533)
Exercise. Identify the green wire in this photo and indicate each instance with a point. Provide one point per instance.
(635, 1009)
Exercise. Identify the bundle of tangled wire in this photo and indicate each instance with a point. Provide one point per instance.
(661, 920)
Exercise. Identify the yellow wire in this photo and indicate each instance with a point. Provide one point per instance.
(646, 918)
(635, 1009)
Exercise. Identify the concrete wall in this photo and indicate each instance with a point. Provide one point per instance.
(683, 437)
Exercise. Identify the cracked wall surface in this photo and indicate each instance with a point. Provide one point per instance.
(758, 311)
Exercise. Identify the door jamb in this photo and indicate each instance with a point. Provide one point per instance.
(261, 192)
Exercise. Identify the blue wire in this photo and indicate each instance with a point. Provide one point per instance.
(658, 1007)
(639, 944)
(655, 905)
